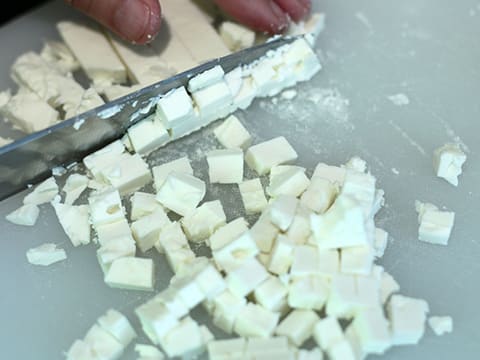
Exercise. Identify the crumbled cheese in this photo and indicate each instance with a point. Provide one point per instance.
(43, 192)
(440, 324)
(75, 221)
(45, 254)
(448, 161)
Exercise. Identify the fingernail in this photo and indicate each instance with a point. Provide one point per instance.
(281, 17)
(135, 21)
(277, 11)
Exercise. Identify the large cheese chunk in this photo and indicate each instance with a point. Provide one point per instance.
(262, 157)
(131, 273)
(25, 215)
(43, 192)
(225, 166)
(448, 161)
(161, 172)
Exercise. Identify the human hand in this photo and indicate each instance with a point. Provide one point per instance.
(139, 21)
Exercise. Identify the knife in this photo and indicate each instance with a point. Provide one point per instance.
(31, 159)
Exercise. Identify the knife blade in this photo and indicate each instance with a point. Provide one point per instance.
(31, 159)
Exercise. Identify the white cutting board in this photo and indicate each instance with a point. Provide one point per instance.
(371, 49)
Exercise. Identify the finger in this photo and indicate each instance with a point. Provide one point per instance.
(296, 9)
(260, 15)
(136, 21)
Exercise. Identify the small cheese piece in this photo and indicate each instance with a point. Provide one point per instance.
(156, 319)
(115, 248)
(131, 273)
(161, 172)
(313, 354)
(407, 318)
(361, 187)
(373, 330)
(227, 233)
(327, 332)
(262, 157)
(43, 192)
(440, 324)
(334, 174)
(272, 294)
(281, 255)
(100, 159)
(181, 192)
(247, 93)
(188, 290)
(148, 135)
(298, 326)
(236, 36)
(103, 344)
(206, 78)
(118, 326)
(45, 254)
(357, 260)
(300, 231)
(106, 207)
(227, 349)
(245, 278)
(226, 308)
(232, 134)
(225, 166)
(213, 102)
(305, 261)
(308, 292)
(203, 221)
(147, 229)
(174, 304)
(148, 352)
(75, 221)
(255, 321)
(269, 348)
(80, 350)
(74, 187)
(25, 215)
(113, 230)
(235, 253)
(448, 161)
(435, 225)
(328, 262)
(142, 204)
(253, 196)
(174, 344)
(282, 211)
(319, 195)
(171, 238)
(287, 180)
(59, 55)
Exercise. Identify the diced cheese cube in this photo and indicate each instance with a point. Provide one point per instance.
(181, 192)
(253, 196)
(300, 230)
(113, 230)
(263, 156)
(148, 135)
(146, 230)
(435, 225)
(380, 242)
(131, 273)
(272, 294)
(305, 261)
(103, 344)
(179, 258)
(106, 207)
(247, 93)
(308, 292)
(213, 102)
(25, 215)
(227, 233)
(74, 187)
(232, 134)
(75, 221)
(281, 255)
(174, 304)
(264, 232)
(354, 339)
(225, 166)
(171, 238)
(210, 281)
(43, 192)
(334, 174)
(357, 260)
(341, 226)
(448, 161)
(234, 80)
(227, 307)
(175, 110)
(142, 204)
(287, 180)
(103, 158)
(115, 248)
(282, 211)
(227, 349)
(341, 350)
(319, 195)
(236, 36)
(327, 332)
(255, 321)
(269, 348)
(206, 78)
(188, 290)
(45, 254)
(156, 319)
(373, 330)
(200, 223)
(117, 325)
(407, 318)
(161, 172)
(441, 324)
(245, 278)
(298, 326)
(361, 187)
(235, 253)
(328, 262)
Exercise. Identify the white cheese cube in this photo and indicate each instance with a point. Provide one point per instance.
(264, 232)
(103, 344)
(146, 230)
(227, 349)
(161, 172)
(287, 180)
(113, 230)
(232, 134)
(341, 350)
(106, 207)
(253, 196)
(210, 281)
(262, 157)
(281, 256)
(45, 254)
(181, 192)
(244, 279)
(117, 325)
(373, 330)
(179, 258)
(115, 248)
(440, 324)
(407, 318)
(448, 161)
(225, 166)
(327, 332)
(319, 195)
(236, 36)
(247, 93)
(435, 225)
(200, 223)
(74, 187)
(282, 211)
(42, 193)
(148, 135)
(213, 102)
(328, 262)
(174, 344)
(298, 326)
(235, 253)
(106, 156)
(131, 273)
(156, 319)
(171, 238)
(25, 215)
(148, 352)
(188, 290)
(269, 348)
(300, 230)
(354, 339)
(388, 286)
(175, 110)
(227, 307)
(227, 233)
(272, 294)
(206, 78)
(308, 292)
(305, 261)
(255, 321)
(174, 304)
(361, 187)
(263, 74)
(380, 242)
(341, 226)
(334, 174)
(80, 350)
(357, 260)
(128, 174)
(75, 221)
(142, 204)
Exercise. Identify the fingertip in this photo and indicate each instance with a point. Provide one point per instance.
(296, 9)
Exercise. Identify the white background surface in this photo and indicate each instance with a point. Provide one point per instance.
(425, 49)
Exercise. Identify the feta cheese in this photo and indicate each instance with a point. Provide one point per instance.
(174, 344)
(148, 135)
(232, 134)
(142, 204)
(181, 192)
(43, 192)
(226, 309)
(74, 187)
(299, 231)
(227, 349)
(227, 233)
(319, 195)
(59, 55)
(255, 321)
(161, 172)
(113, 230)
(245, 278)
(334, 174)
(147, 229)
(174, 304)
(287, 180)
(103, 344)
(26, 215)
(440, 324)
(281, 256)
(115, 248)
(357, 260)
(179, 258)
(188, 290)
(305, 261)
(341, 350)
(235, 253)
(373, 330)
(263, 156)
(272, 294)
(45, 254)
(203, 221)
(106, 207)
(247, 93)
(225, 166)
(148, 352)
(361, 187)
(308, 292)
(253, 196)
(131, 273)
(448, 161)
(327, 332)
(435, 225)
(75, 221)
(236, 36)
(118, 326)
(100, 159)
(298, 326)
(213, 102)
(269, 348)
(282, 211)
(380, 242)
(206, 78)
(171, 238)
